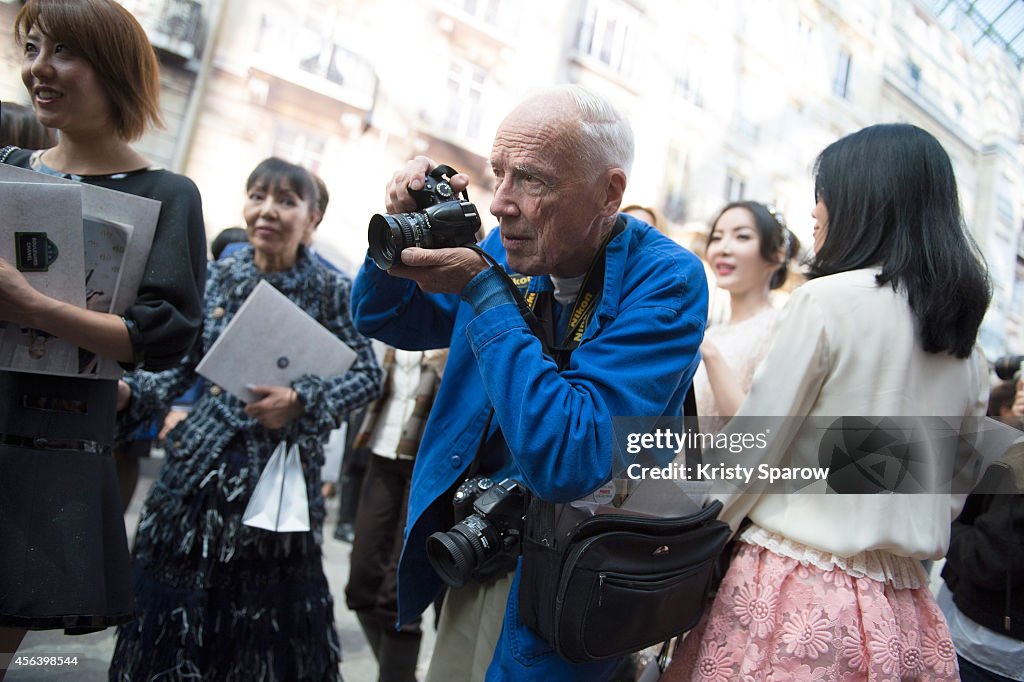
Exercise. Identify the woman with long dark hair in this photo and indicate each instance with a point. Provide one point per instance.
(830, 586)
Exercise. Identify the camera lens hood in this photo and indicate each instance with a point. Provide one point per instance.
(452, 556)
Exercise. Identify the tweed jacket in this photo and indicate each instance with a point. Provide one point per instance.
(218, 418)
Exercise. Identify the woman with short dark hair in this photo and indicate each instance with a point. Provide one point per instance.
(217, 599)
(831, 585)
(93, 76)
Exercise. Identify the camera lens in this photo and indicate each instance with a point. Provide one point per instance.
(389, 234)
(457, 553)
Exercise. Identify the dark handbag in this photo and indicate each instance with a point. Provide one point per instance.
(617, 583)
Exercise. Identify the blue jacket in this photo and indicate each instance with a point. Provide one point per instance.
(637, 358)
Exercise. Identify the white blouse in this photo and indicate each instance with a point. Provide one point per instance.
(845, 346)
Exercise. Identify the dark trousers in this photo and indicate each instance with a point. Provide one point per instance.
(372, 590)
(353, 468)
(970, 672)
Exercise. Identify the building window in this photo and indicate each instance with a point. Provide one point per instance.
(688, 84)
(914, 72)
(465, 99)
(500, 14)
(841, 81)
(324, 56)
(677, 171)
(314, 46)
(1004, 208)
(750, 98)
(485, 10)
(735, 187)
(172, 25)
(303, 147)
(804, 31)
(608, 33)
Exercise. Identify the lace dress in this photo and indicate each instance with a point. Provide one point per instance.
(786, 611)
(743, 345)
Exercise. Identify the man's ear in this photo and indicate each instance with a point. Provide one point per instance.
(613, 187)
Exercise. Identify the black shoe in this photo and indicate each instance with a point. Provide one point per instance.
(345, 532)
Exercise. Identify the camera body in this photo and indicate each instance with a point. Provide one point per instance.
(486, 537)
(443, 220)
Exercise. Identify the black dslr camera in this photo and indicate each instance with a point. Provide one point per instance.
(443, 221)
(483, 543)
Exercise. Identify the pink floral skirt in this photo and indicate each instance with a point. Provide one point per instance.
(776, 619)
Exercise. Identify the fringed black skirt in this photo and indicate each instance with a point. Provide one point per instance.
(218, 600)
(64, 560)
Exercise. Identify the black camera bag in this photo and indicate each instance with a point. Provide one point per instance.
(618, 583)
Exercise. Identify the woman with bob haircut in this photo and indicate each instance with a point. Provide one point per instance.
(831, 586)
(93, 76)
(218, 599)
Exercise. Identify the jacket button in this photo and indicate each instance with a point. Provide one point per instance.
(456, 461)
(215, 390)
(217, 313)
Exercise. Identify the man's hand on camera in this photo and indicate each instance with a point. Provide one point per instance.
(413, 175)
(440, 271)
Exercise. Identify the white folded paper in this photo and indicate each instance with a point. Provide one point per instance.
(272, 341)
(114, 232)
(41, 235)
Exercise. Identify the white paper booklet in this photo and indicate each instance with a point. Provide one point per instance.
(272, 341)
(118, 231)
(41, 235)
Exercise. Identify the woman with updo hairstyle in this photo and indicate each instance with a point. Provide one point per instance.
(92, 75)
(749, 250)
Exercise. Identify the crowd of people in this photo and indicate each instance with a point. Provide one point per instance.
(509, 360)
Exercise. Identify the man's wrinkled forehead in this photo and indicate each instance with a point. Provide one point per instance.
(544, 134)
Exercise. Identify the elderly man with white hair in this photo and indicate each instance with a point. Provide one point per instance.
(628, 304)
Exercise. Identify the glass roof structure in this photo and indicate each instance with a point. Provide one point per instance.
(998, 22)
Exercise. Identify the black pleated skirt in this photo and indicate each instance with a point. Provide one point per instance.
(64, 561)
